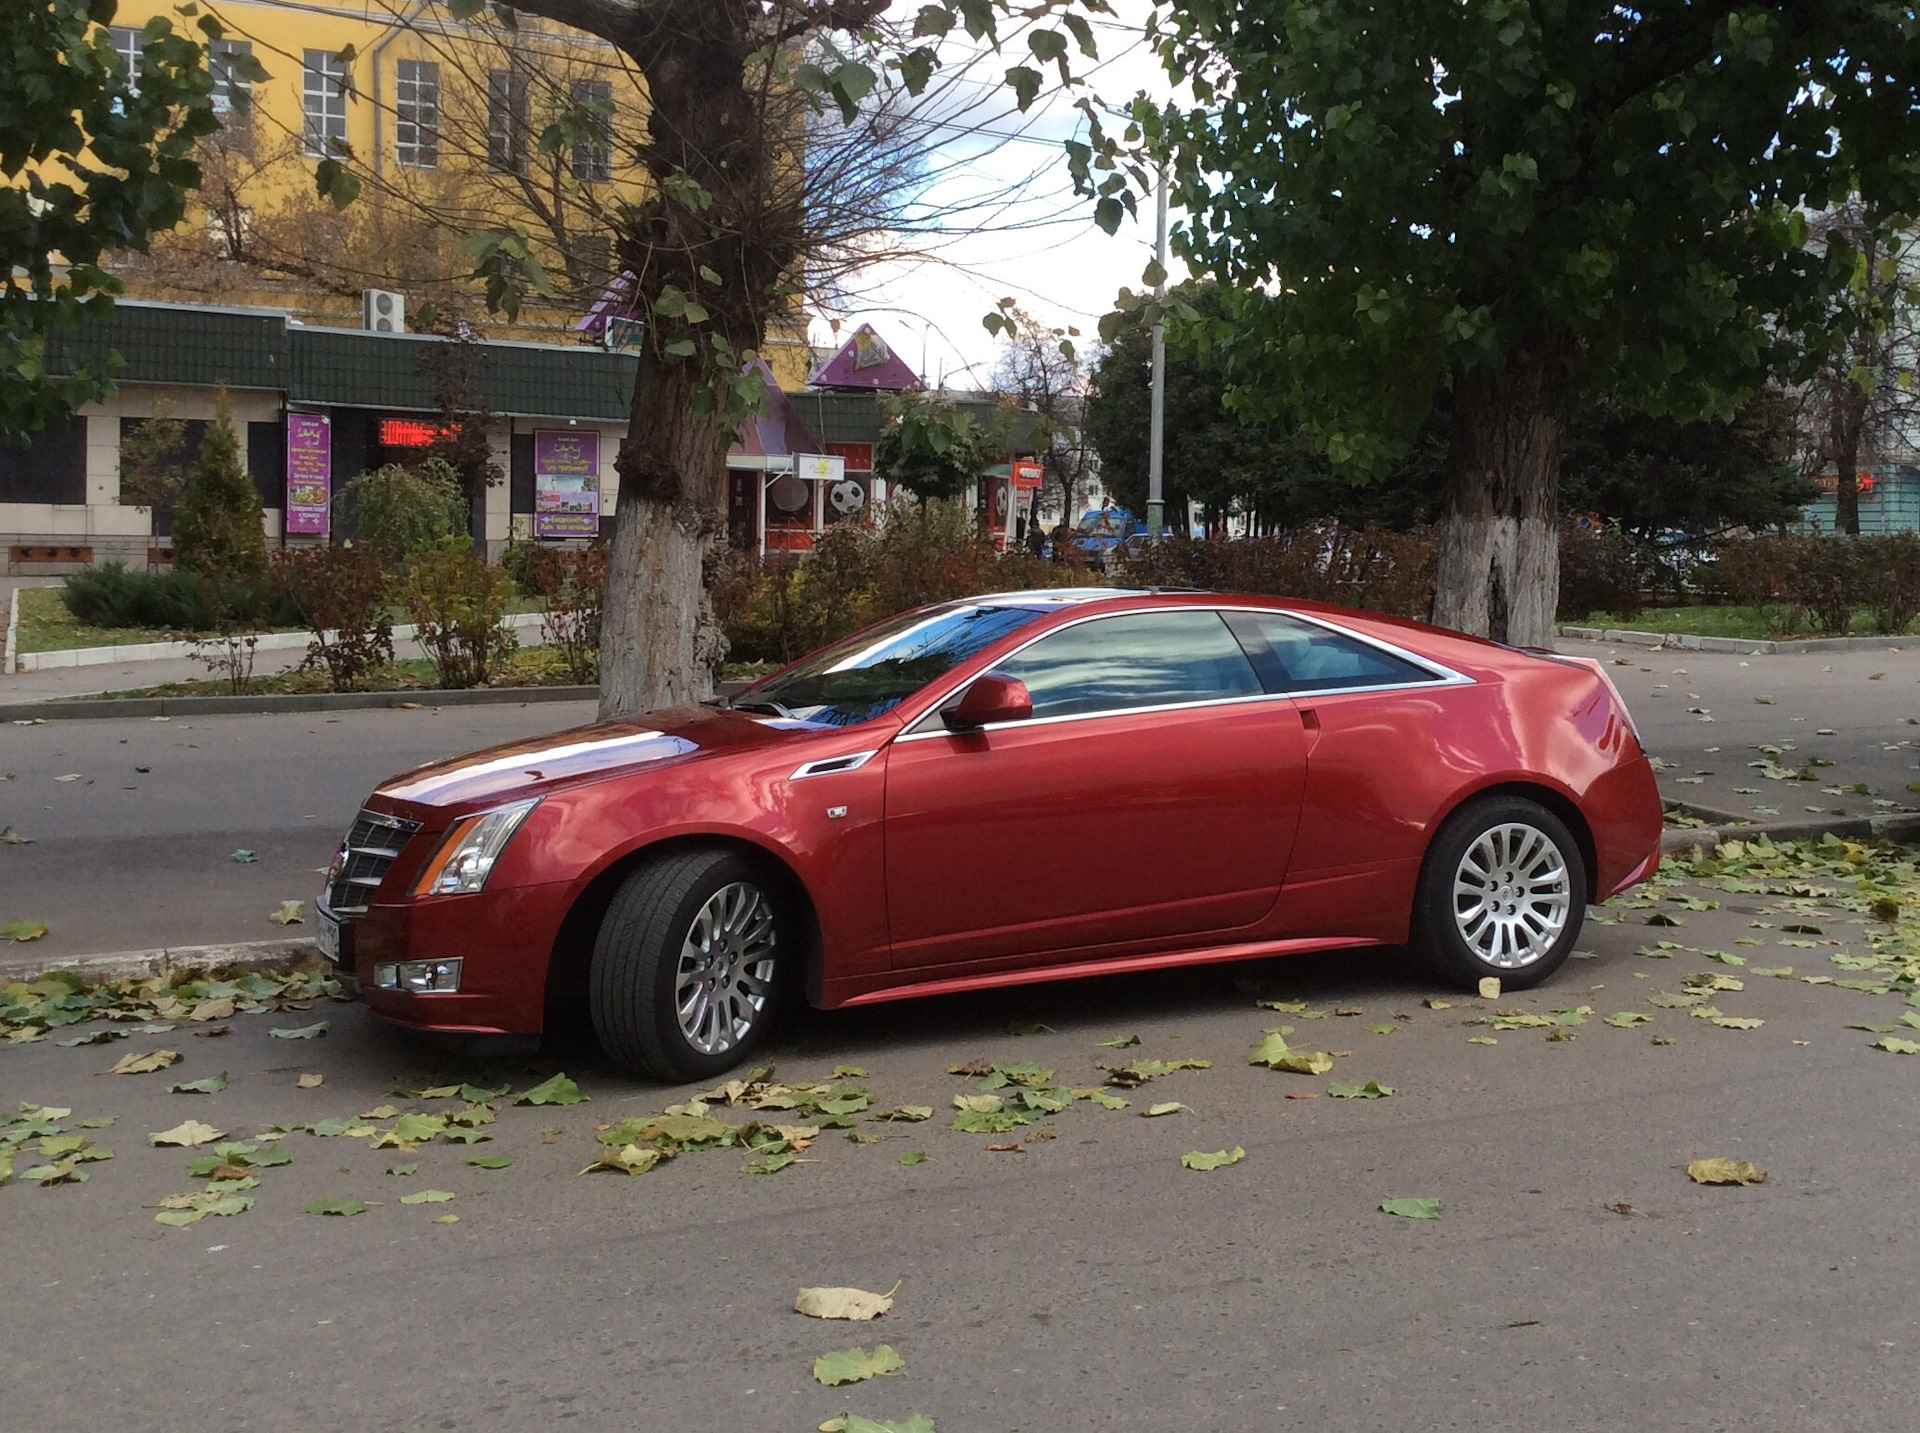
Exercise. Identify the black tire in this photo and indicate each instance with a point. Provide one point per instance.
(631, 984)
(1438, 937)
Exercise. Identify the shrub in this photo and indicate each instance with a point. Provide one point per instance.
(1604, 571)
(459, 604)
(1374, 569)
(341, 596)
(1825, 575)
(779, 608)
(574, 583)
(111, 595)
(1759, 572)
(1890, 580)
(403, 513)
(217, 524)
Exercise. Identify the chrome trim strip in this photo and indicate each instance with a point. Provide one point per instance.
(833, 765)
(1444, 675)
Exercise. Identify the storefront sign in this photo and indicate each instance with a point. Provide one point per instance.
(566, 483)
(309, 473)
(819, 467)
(1026, 474)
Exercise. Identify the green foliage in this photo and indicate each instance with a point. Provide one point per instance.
(217, 528)
(459, 603)
(1656, 474)
(1262, 466)
(1579, 208)
(404, 513)
(112, 595)
(931, 448)
(91, 164)
(340, 593)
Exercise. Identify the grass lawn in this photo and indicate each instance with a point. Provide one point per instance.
(528, 667)
(1741, 622)
(47, 626)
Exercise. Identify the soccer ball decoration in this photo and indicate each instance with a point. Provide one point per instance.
(847, 497)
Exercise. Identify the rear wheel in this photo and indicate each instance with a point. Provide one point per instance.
(688, 965)
(1503, 893)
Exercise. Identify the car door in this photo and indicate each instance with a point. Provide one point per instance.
(1380, 760)
(1151, 799)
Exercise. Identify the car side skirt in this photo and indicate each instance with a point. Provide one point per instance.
(1116, 965)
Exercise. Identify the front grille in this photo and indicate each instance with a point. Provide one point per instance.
(373, 845)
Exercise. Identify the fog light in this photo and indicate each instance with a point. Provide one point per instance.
(419, 977)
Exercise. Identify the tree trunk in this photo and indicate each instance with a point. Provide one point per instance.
(1849, 415)
(1499, 564)
(659, 643)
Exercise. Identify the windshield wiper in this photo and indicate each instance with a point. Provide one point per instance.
(763, 704)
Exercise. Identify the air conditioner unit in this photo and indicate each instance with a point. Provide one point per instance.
(383, 311)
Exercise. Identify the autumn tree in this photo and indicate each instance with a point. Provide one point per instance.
(719, 250)
(1040, 368)
(1524, 204)
(1861, 396)
(93, 159)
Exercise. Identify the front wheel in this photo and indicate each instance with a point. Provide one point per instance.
(1503, 893)
(687, 967)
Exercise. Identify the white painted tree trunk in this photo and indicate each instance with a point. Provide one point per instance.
(1499, 565)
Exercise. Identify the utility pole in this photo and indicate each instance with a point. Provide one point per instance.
(1157, 429)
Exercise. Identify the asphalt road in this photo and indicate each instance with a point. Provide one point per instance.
(137, 852)
(1086, 1282)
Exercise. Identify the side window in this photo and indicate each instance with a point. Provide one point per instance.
(1141, 660)
(1296, 656)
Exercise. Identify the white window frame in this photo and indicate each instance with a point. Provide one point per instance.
(416, 113)
(126, 43)
(592, 158)
(226, 84)
(324, 90)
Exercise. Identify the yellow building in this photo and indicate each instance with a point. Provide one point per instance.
(442, 123)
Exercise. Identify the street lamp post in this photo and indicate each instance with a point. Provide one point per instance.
(1157, 424)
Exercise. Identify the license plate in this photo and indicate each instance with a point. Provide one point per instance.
(326, 935)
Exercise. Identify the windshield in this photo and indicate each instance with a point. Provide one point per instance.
(874, 671)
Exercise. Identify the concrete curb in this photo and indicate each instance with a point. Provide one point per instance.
(1745, 647)
(97, 708)
(518, 623)
(1903, 827)
(169, 960)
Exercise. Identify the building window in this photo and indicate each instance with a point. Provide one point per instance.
(593, 151)
(416, 108)
(126, 44)
(232, 93)
(323, 100)
(506, 122)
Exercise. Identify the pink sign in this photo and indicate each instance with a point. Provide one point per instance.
(309, 473)
(566, 483)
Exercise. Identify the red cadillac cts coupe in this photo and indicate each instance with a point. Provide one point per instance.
(1024, 787)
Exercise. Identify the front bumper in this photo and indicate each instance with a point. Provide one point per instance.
(504, 939)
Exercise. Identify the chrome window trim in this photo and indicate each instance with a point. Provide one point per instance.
(1444, 676)
(833, 765)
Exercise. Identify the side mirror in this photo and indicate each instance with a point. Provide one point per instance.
(989, 700)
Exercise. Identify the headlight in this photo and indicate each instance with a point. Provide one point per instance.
(465, 858)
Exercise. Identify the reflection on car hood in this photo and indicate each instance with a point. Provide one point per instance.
(525, 768)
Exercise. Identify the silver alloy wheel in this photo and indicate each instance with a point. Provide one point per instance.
(725, 973)
(1512, 895)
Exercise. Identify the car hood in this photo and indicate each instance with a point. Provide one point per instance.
(538, 765)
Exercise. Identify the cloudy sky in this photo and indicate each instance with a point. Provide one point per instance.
(1015, 228)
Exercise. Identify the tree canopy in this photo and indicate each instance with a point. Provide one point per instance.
(1523, 203)
(93, 160)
